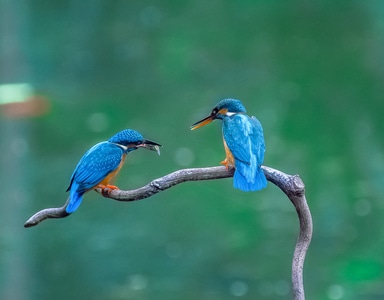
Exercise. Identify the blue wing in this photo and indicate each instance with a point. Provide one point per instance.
(245, 139)
(94, 166)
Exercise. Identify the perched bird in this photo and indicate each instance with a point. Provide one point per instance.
(102, 162)
(243, 143)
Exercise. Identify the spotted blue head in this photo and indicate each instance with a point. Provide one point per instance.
(131, 140)
(225, 107)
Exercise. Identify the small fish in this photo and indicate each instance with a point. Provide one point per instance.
(153, 148)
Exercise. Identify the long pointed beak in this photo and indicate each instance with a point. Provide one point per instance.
(203, 122)
(150, 145)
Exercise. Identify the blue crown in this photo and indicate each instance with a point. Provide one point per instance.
(126, 136)
(233, 105)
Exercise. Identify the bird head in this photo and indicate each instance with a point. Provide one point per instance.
(225, 107)
(132, 140)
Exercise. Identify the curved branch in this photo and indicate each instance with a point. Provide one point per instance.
(48, 213)
(291, 185)
(294, 188)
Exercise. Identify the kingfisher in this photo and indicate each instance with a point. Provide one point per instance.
(243, 143)
(102, 162)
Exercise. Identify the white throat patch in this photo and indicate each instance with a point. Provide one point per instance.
(125, 148)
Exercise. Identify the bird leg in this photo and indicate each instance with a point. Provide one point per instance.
(225, 163)
(229, 160)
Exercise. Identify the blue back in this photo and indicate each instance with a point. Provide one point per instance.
(98, 162)
(245, 139)
(93, 167)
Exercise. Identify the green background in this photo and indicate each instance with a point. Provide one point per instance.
(311, 71)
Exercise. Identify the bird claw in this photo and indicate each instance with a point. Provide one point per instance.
(107, 189)
(225, 163)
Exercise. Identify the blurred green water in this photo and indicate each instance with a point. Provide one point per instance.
(311, 72)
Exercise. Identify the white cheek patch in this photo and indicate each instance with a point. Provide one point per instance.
(228, 113)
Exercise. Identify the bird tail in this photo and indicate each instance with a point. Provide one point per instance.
(243, 181)
(75, 199)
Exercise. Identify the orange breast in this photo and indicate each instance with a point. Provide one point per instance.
(228, 155)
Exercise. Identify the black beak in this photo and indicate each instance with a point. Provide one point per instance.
(203, 122)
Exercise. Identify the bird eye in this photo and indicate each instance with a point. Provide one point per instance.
(215, 111)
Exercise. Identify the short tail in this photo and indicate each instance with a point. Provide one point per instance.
(75, 199)
(255, 183)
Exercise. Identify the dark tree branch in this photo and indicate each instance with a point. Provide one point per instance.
(291, 185)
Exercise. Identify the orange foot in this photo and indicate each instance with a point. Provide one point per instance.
(225, 163)
(106, 189)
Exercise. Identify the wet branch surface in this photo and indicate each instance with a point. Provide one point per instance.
(291, 185)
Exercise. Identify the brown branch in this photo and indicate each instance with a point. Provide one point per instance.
(291, 185)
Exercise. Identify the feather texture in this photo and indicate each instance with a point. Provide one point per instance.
(96, 164)
(244, 138)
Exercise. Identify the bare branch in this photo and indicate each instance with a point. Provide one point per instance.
(294, 188)
(291, 185)
(48, 213)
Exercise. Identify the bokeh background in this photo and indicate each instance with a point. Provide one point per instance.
(311, 71)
